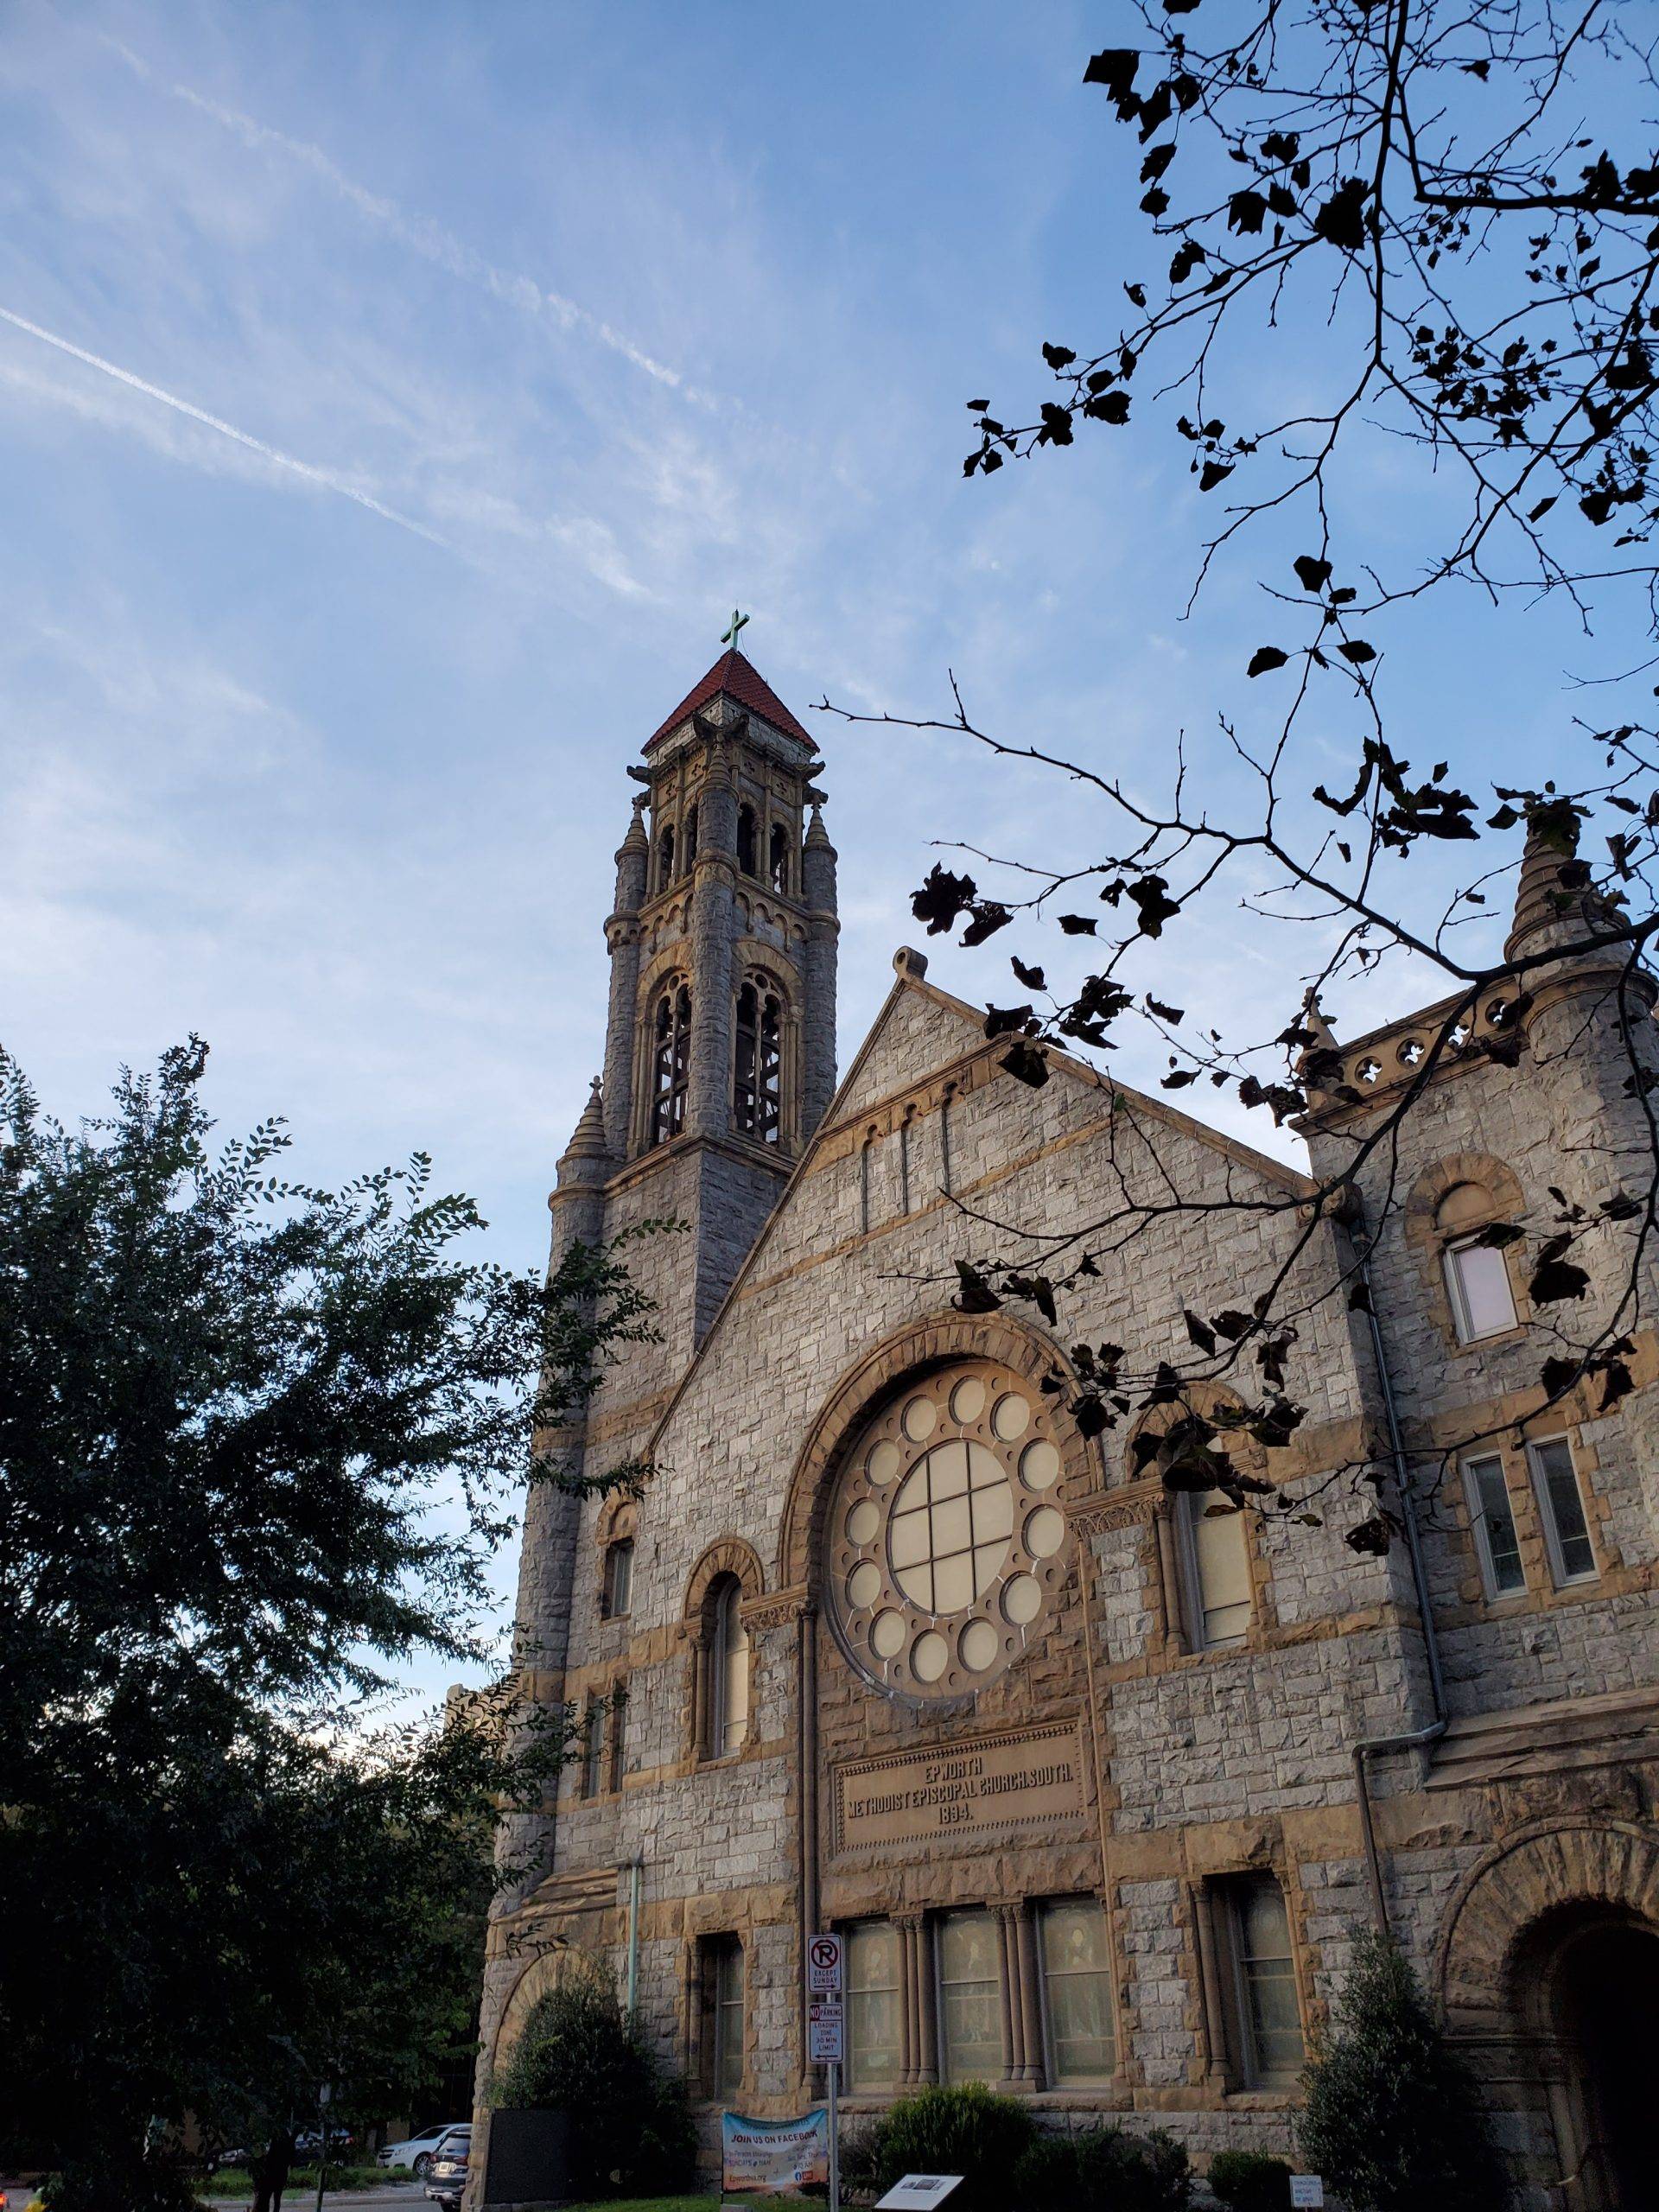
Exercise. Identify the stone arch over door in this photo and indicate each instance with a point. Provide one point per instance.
(1551, 1933)
(541, 1976)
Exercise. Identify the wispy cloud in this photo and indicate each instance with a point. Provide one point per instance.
(324, 478)
(420, 234)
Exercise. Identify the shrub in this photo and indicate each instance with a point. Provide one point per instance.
(631, 2132)
(962, 2129)
(1393, 2120)
(1103, 2169)
(1245, 2181)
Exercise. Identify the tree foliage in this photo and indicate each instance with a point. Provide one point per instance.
(256, 1445)
(1416, 182)
(631, 2130)
(1393, 2119)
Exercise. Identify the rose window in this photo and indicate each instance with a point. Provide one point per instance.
(945, 1537)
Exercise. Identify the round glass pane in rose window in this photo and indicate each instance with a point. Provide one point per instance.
(1010, 1418)
(968, 1401)
(887, 1635)
(863, 1585)
(930, 1657)
(1022, 1600)
(883, 1463)
(1039, 1463)
(865, 1519)
(948, 1531)
(919, 1419)
(1045, 1533)
(980, 1645)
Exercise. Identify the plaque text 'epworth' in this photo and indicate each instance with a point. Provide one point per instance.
(977, 1783)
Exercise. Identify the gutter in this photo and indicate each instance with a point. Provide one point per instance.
(1418, 1738)
(636, 1875)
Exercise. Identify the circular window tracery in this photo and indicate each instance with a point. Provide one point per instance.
(944, 1538)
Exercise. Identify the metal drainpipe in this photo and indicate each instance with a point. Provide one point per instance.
(636, 1877)
(1371, 1747)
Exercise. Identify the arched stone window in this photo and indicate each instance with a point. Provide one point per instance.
(758, 1073)
(1477, 1273)
(665, 856)
(777, 858)
(746, 841)
(729, 1670)
(688, 858)
(945, 1542)
(670, 1060)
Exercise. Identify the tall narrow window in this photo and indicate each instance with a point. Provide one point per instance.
(1492, 1518)
(758, 1075)
(619, 1578)
(592, 1747)
(874, 2008)
(970, 2028)
(688, 858)
(864, 1152)
(1078, 1991)
(778, 858)
(722, 2000)
(1267, 2029)
(1218, 1562)
(619, 1735)
(945, 1104)
(904, 1163)
(745, 844)
(671, 1062)
(728, 1713)
(665, 857)
(1566, 1537)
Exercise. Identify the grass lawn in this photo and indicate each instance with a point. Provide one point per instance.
(694, 2204)
(232, 2180)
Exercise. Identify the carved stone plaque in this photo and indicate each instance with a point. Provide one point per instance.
(974, 1786)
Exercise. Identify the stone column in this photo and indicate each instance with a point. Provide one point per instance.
(1007, 1962)
(817, 975)
(622, 936)
(1213, 2057)
(1169, 1578)
(1033, 2070)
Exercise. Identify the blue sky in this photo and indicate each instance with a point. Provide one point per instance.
(394, 401)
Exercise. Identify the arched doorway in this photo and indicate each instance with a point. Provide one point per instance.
(1598, 1986)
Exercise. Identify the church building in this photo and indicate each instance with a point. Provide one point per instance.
(1098, 1787)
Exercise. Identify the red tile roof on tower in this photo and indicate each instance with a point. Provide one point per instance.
(740, 680)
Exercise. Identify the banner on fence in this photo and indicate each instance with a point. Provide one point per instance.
(774, 2154)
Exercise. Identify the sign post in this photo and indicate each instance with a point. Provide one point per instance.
(825, 2043)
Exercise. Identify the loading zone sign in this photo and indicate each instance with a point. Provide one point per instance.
(824, 1967)
(823, 2033)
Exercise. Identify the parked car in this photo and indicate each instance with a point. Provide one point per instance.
(446, 2178)
(417, 2151)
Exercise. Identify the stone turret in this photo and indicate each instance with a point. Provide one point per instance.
(822, 931)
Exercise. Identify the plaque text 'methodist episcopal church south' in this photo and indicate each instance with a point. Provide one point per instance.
(968, 1787)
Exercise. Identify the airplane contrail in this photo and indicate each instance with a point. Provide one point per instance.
(321, 476)
(418, 233)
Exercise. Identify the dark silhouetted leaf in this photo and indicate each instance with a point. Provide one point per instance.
(1264, 658)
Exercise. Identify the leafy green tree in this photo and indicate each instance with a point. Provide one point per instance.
(1393, 2119)
(630, 2127)
(256, 1446)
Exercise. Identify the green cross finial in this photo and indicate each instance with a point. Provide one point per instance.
(729, 637)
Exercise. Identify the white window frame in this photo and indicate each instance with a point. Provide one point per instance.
(856, 2078)
(1187, 1516)
(731, 1651)
(727, 1950)
(1254, 2071)
(1482, 1534)
(1462, 1320)
(1562, 1579)
(615, 1551)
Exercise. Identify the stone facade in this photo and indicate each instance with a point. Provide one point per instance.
(1227, 1809)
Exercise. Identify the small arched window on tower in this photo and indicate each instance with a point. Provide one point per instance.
(665, 856)
(671, 1062)
(778, 858)
(729, 1671)
(689, 857)
(745, 846)
(757, 1076)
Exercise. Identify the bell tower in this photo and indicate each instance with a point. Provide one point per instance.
(719, 1053)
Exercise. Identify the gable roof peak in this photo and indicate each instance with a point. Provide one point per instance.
(736, 675)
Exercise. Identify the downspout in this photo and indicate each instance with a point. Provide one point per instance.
(1417, 1739)
(636, 1877)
